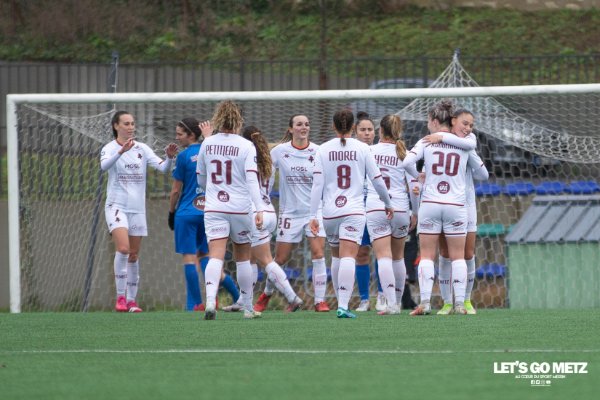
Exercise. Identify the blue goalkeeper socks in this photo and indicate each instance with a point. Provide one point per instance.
(193, 286)
(363, 275)
(230, 286)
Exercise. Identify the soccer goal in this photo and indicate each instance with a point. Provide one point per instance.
(60, 251)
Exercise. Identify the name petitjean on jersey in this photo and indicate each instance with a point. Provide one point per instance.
(221, 150)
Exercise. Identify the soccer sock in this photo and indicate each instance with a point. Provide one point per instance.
(244, 278)
(276, 275)
(193, 286)
(379, 288)
(345, 281)
(133, 279)
(400, 275)
(203, 264)
(426, 278)
(387, 279)
(319, 277)
(229, 285)
(254, 275)
(212, 276)
(470, 277)
(459, 280)
(335, 267)
(363, 276)
(445, 266)
(269, 287)
(120, 268)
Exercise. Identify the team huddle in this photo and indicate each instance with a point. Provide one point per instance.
(340, 192)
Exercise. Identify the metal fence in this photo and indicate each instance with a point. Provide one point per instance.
(244, 75)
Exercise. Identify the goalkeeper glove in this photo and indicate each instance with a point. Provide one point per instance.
(172, 220)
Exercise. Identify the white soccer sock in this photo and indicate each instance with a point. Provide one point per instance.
(276, 275)
(319, 277)
(459, 280)
(133, 279)
(426, 278)
(212, 277)
(470, 277)
(445, 277)
(245, 279)
(120, 268)
(400, 275)
(345, 281)
(254, 274)
(387, 279)
(335, 268)
(269, 287)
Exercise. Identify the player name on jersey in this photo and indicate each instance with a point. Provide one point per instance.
(342, 155)
(221, 150)
(388, 161)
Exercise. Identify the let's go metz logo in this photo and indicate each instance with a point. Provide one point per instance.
(540, 373)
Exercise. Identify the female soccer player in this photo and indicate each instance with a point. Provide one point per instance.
(462, 127)
(127, 161)
(388, 236)
(261, 238)
(227, 170)
(341, 165)
(294, 158)
(365, 132)
(186, 211)
(442, 208)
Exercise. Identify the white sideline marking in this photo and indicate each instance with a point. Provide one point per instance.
(296, 351)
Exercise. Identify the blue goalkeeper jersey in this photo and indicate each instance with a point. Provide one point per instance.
(191, 201)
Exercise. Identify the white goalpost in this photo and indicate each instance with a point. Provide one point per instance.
(60, 251)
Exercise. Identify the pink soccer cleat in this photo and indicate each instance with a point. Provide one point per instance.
(133, 307)
(121, 305)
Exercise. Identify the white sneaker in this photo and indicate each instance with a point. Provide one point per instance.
(210, 312)
(390, 310)
(421, 309)
(365, 305)
(235, 307)
(252, 314)
(381, 302)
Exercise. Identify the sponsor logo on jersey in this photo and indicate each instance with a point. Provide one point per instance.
(199, 202)
(299, 180)
(132, 166)
(223, 196)
(443, 187)
(341, 201)
(298, 168)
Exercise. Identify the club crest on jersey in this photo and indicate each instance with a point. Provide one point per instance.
(223, 196)
(443, 187)
(199, 203)
(341, 201)
(266, 199)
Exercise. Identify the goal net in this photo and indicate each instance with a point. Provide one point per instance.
(61, 254)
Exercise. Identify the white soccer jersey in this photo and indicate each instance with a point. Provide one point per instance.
(224, 160)
(393, 175)
(266, 185)
(295, 168)
(445, 171)
(126, 187)
(344, 169)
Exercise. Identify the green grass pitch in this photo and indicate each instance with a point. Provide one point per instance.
(304, 355)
